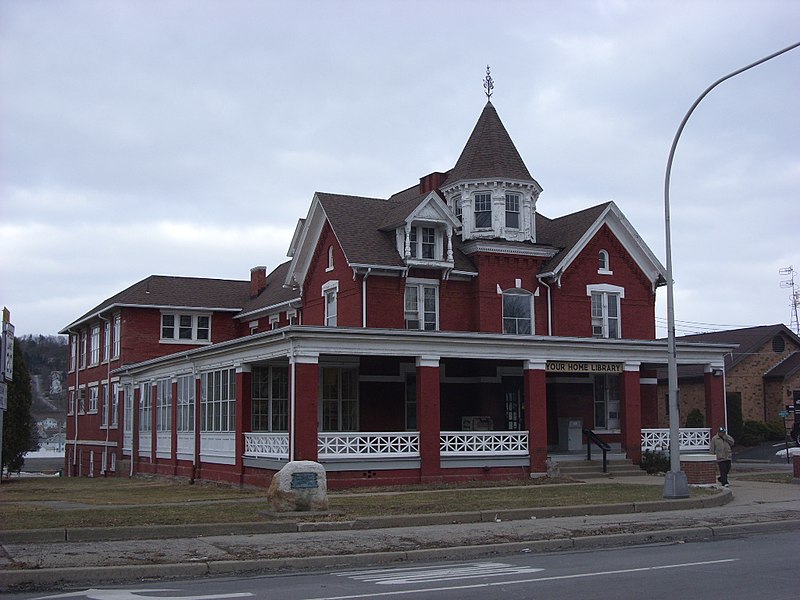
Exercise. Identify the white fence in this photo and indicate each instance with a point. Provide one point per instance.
(484, 443)
(691, 439)
(369, 445)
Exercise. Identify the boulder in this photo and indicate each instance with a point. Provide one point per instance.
(299, 486)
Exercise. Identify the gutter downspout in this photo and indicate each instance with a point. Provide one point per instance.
(549, 301)
(364, 297)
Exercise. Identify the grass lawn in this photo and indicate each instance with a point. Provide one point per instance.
(776, 477)
(37, 503)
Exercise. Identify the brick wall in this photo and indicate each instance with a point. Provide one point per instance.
(700, 470)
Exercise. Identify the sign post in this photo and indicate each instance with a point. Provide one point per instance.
(7, 370)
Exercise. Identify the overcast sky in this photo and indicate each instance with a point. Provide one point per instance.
(186, 138)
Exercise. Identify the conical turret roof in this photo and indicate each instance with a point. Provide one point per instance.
(489, 152)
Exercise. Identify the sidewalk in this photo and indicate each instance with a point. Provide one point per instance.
(745, 507)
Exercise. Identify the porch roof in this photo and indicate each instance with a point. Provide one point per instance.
(307, 343)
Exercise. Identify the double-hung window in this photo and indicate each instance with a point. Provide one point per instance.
(512, 211)
(483, 210)
(104, 405)
(330, 292)
(422, 242)
(83, 350)
(116, 333)
(93, 393)
(106, 341)
(187, 328)
(94, 354)
(115, 388)
(422, 305)
(517, 311)
(606, 318)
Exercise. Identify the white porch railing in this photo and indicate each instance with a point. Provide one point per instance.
(266, 445)
(484, 443)
(690, 439)
(368, 445)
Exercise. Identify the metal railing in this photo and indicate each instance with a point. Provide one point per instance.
(593, 438)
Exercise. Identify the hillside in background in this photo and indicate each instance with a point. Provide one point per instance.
(46, 357)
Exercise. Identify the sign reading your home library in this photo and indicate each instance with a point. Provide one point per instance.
(568, 366)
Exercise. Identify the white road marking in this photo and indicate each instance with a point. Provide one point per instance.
(434, 574)
(95, 594)
(522, 581)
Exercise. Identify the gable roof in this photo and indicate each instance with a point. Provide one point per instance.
(573, 232)
(750, 340)
(489, 152)
(163, 291)
(786, 368)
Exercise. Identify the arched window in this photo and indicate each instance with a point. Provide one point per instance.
(604, 265)
(517, 311)
(330, 259)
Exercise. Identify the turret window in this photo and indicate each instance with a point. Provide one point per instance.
(512, 211)
(483, 210)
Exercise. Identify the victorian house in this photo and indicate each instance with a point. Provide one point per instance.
(448, 332)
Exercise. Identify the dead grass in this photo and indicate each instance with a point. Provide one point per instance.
(37, 503)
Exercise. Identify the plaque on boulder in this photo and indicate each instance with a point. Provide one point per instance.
(299, 486)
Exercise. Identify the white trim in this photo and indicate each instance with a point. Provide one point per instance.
(605, 289)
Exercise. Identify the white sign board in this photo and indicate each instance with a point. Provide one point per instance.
(3, 396)
(8, 351)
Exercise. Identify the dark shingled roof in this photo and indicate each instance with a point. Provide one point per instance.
(356, 222)
(164, 290)
(489, 152)
(750, 340)
(564, 232)
(786, 368)
(274, 292)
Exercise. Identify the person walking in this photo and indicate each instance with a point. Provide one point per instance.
(721, 445)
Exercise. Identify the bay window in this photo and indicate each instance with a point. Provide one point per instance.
(483, 210)
(512, 211)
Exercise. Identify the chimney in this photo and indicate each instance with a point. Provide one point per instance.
(431, 182)
(258, 280)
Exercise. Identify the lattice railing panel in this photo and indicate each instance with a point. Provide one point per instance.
(690, 438)
(484, 443)
(371, 445)
(266, 445)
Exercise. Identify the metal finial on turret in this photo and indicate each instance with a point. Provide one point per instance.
(488, 84)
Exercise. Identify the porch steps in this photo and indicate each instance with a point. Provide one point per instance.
(593, 469)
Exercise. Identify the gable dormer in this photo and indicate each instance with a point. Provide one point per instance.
(424, 238)
(490, 189)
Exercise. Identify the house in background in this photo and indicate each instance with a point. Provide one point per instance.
(762, 374)
(448, 332)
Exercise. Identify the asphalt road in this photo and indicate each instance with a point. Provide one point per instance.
(760, 566)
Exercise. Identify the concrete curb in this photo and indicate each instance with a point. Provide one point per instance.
(53, 578)
(104, 534)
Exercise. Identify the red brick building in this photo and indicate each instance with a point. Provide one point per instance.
(450, 331)
(762, 373)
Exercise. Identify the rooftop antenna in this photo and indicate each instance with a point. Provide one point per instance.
(488, 84)
(795, 296)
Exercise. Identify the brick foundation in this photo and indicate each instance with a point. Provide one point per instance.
(700, 469)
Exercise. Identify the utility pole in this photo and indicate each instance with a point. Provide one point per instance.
(794, 322)
(6, 372)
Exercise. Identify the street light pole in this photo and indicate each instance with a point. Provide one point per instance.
(675, 484)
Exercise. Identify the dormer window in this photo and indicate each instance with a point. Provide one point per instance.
(424, 243)
(512, 211)
(483, 210)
